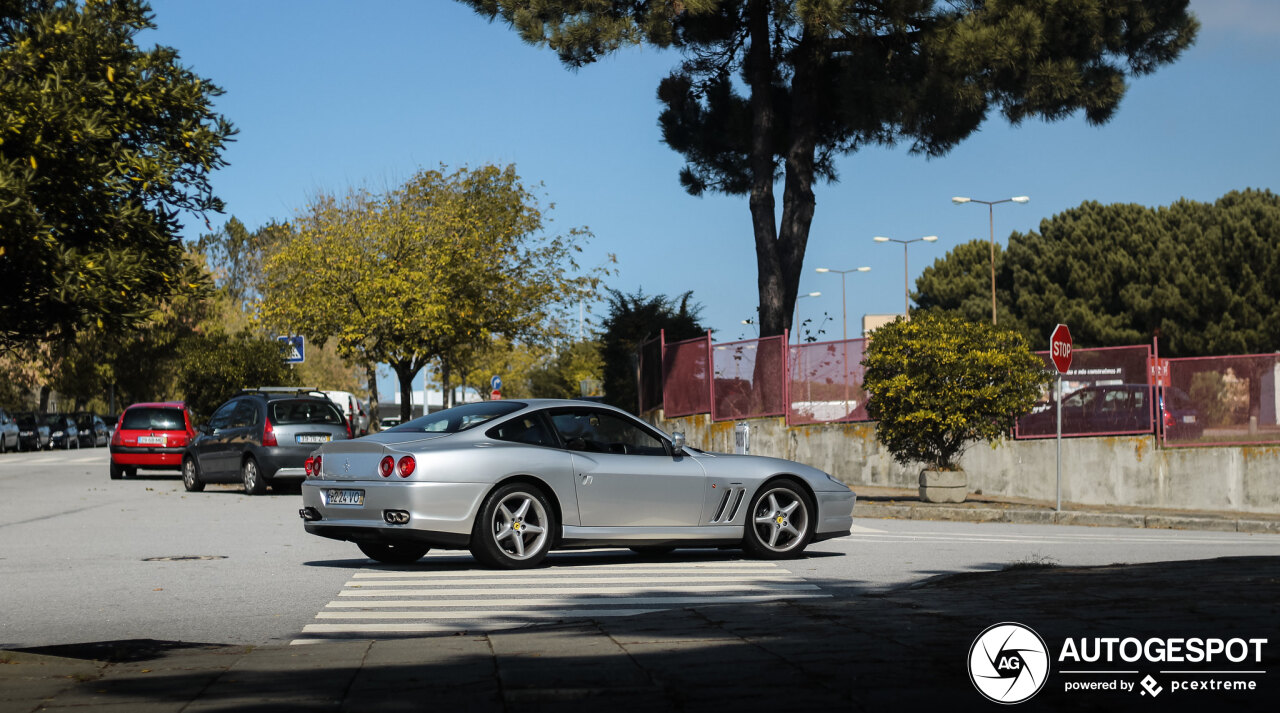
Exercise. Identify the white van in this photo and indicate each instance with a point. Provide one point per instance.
(353, 409)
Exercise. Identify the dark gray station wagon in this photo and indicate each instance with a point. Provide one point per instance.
(262, 438)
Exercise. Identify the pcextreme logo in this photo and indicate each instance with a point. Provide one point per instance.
(1008, 663)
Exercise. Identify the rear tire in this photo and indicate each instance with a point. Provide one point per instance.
(191, 475)
(514, 529)
(117, 472)
(393, 553)
(254, 483)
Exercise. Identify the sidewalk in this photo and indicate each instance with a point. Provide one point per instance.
(859, 651)
(904, 504)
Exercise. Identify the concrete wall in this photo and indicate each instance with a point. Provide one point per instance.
(1127, 470)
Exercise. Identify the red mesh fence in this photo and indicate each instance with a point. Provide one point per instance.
(649, 370)
(686, 387)
(1221, 401)
(826, 383)
(748, 379)
(1107, 392)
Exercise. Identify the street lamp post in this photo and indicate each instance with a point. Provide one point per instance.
(844, 326)
(844, 318)
(906, 289)
(795, 323)
(991, 221)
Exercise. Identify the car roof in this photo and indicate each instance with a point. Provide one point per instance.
(157, 404)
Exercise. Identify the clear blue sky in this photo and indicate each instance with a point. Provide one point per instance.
(328, 95)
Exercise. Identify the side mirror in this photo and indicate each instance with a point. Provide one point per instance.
(677, 443)
(203, 428)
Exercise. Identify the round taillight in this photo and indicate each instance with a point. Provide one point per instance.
(306, 465)
(385, 466)
(315, 465)
(406, 466)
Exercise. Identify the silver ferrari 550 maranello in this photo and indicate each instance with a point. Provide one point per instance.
(512, 480)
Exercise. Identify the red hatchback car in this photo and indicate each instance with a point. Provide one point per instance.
(151, 436)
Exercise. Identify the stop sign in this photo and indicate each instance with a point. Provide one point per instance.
(1060, 348)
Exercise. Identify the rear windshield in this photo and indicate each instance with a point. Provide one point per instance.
(26, 420)
(298, 411)
(153, 419)
(459, 418)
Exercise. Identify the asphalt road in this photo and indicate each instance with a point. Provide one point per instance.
(84, 559)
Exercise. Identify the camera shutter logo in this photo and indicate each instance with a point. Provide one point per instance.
(1008, 663)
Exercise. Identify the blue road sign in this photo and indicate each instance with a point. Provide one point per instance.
(294, 348)
(496, 383)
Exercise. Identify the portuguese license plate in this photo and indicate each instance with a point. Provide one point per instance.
(314, 438)
(1188, 419)
(344, 497)
(151, 440)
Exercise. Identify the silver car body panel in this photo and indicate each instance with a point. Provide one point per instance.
(599, 498)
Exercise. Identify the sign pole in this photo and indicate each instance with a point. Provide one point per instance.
(1060, 353)
(1059, 400)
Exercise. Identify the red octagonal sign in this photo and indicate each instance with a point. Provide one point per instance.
(1060, 348)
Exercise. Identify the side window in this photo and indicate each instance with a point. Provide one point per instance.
(222, 417)
(525, 429)
(245, 414)
(604, 432)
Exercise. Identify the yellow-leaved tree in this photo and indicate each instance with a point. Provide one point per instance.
(426, 272)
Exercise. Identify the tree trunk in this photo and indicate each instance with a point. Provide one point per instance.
(371, 371)
(405, 372)
(44, 399)
(446, 394)
(780, 252)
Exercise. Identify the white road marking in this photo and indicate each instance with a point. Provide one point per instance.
(536, 601)
(557, 580)
(376, 602)
(646, 588)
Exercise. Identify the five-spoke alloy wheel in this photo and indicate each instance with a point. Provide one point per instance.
(515, 527)
(780, 521)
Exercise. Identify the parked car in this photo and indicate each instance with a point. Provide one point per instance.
(262, 439)
(1112, 408)
(353, 409)
(10, 438)
(151, 436)
(33, 432)
(1179, 417)
(63, 430)
(93, 431)
(389, 422)
(510, 480)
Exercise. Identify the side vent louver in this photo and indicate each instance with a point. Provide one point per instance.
(729, 504)
(720, 510)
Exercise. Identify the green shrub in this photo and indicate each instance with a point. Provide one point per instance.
(937, 384)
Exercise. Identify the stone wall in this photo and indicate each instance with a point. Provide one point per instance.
(1121, 470)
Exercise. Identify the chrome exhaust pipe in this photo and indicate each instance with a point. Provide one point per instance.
(309, 514)
(395, 517)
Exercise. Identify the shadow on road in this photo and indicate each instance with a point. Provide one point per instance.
(864, 649)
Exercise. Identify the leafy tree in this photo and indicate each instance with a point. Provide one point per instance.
(213, 367)
(632, 320)
(236, 257)
(426, 272)
(937, 384)
(775, 90)
(1204, 277)
(561, 377)
(102, 146)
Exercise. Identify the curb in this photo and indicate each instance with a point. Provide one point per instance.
(1086, 518)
